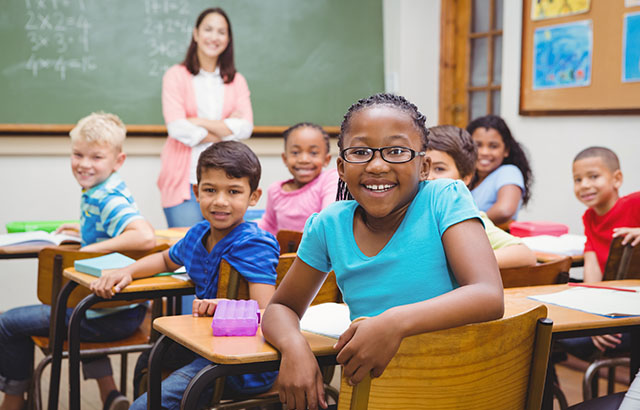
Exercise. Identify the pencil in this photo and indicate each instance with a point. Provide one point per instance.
(586, 285)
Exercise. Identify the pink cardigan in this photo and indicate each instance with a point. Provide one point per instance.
(179, 102)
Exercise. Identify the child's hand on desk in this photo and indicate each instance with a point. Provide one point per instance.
(604, 342)
(300, 383)
(367, 346)
(69, 229)
(111, 283)
(204, 307)
(631, 235)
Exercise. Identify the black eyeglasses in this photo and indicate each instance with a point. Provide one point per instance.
(393, 155)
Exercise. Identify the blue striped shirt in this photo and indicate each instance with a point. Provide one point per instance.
(106, 209)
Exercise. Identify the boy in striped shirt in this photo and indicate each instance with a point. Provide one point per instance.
(109, 222)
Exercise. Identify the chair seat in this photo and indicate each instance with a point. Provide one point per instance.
(139, 337)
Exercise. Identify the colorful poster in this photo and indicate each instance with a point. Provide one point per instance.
(548, 9)
(562, 55)
(631, 48)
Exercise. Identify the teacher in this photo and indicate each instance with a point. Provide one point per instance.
(204, 101)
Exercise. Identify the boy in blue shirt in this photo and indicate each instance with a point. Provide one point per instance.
(228, 174)
(109, 222)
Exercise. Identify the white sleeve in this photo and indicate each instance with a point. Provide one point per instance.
(186, 132)
(241, 129)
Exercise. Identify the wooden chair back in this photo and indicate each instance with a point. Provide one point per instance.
(548, 273)
(53, 261)
(623, 261)
(493, 365)
(288, 240)
(232, 285)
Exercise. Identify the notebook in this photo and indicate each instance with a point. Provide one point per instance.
(327, 319)
(96, 266)
(36, 238)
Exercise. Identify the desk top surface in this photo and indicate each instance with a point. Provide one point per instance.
(138, 285)
(195, 332)
(565, 319)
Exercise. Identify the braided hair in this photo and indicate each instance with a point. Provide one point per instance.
(382, 99)
(325, 135)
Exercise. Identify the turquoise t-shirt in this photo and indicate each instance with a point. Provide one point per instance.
(412, 266)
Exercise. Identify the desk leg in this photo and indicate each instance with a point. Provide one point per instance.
(74, 349)
(57, 321)
(210, 373)
(635, 353)
(154, 388)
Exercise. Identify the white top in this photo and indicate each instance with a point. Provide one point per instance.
(209, 91)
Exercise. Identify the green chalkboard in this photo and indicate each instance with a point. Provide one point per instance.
(305, 60)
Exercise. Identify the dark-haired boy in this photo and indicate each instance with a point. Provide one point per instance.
(228, 174)
(453, 155)
(596, 180)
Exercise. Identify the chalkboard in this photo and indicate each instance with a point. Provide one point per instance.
(303, 60)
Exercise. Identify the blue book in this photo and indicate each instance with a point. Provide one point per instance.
(95, 266)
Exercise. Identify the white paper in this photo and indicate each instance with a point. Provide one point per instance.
(605, 302)
(568, 244)
(327, 319)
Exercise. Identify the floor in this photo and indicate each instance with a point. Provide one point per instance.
(570, 376)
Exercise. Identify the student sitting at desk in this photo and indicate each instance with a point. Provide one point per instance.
(109, 221)
(453, 155)
(596, 180)
(502, 182)
(408, 253)
(292, 201)
(228, 174)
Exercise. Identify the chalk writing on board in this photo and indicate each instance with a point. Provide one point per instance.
(59, 37)
(163, 20)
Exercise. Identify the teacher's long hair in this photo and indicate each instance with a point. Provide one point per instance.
(225, 61)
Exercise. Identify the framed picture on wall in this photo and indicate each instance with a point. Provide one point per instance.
(587, 62)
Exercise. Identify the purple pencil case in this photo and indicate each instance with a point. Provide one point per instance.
(236, 318)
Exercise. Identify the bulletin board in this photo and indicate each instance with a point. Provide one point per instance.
(580, 58)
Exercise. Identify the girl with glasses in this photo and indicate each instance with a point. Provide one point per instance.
(409, 254)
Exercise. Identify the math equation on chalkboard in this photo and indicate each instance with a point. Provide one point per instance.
(67, 37)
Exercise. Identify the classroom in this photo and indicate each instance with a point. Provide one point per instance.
(36, 182)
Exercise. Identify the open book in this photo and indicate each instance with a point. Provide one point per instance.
(36, 238)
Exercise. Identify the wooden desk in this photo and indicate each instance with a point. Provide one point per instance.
(230, 355)
(569, 323)
(238, 355)
(148, 288)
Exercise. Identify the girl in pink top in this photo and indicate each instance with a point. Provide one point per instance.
(204, 101)
(291, 202)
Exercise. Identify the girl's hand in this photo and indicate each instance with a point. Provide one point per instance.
(631, 235)
(367, 346)
(604, 342)
(204, 307)
(111, 283)
(300, 384)
(236, 114)
(69, 229)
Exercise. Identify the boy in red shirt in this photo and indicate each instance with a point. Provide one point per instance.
(596, 180)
